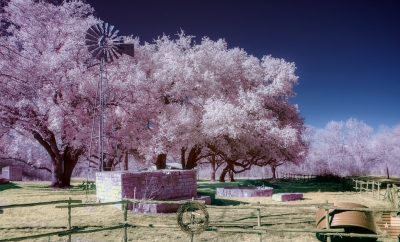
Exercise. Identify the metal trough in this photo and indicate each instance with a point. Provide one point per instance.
(352, 221)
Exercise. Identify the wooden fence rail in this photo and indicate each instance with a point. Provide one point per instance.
(258, 228)
(39, 204)
(360, 187)
(391, 193)
(76, 230)
(70, 231)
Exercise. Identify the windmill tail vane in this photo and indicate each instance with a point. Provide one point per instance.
(104, 44)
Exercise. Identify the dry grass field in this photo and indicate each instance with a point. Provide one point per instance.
(16, 222)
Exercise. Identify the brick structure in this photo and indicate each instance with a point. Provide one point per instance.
(158, 185)
(12, 173)
(285, 197)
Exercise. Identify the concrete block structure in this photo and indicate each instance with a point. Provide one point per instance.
(158, 185)
(285, 197)
(12, 173)
(244, 191)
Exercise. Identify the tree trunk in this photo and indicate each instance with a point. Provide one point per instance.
(223, 174)
(57, 174)
(231, 176)
(126, 161)
(273, 169)
(161, 162)
(229, 167)
(63, 162)
(387, 172)
(62, 170)
(183, 152)
(107, 164)
(192, 158)
(213, 171)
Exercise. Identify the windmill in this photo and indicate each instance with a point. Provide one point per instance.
(104, 44)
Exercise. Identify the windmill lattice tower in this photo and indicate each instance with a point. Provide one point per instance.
(104, 43)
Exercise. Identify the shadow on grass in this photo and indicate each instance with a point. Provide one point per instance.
(8, 186)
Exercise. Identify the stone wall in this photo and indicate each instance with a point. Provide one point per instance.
(157, 185)
(12, 173)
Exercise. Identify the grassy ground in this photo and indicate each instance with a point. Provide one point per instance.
(26, 221)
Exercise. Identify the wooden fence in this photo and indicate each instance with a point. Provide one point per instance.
(262, 227)
(391, 193)
(81, 230)
(367, 189)
(70, 230)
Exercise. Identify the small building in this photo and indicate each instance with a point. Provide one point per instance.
(12, 173)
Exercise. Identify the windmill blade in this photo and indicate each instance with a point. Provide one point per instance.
(115, 53)
(100, 28)
(115, 34)
(105, 28)
(97, 53)
(103, 41)
(91, 34)
(93, 47)
(96, 29)
(109, 54)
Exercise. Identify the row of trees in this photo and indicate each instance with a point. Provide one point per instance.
(351, 148)
(174, 98)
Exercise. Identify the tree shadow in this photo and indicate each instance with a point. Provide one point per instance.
(8, 186)
(227, 202)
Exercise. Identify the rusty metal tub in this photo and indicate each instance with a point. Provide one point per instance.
(352, 221)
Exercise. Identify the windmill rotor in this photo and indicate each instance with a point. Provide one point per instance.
(104, 42)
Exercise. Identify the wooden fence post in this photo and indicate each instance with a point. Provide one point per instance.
(69, 219)
(395, 196)
(328, 226)
(379, 192)
(356, 186)
(258, 217)
(387, 193)
(373, 187)
(125, 206)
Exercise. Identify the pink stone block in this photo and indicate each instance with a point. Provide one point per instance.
(284, 197)
(244, 191)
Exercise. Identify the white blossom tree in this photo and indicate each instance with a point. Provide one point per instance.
(43, 78)
(387, 149)
(214, 100)
(173, 97)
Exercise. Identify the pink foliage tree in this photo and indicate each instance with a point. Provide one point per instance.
(174, 97)
(212, 100)
(42, 76)
(387, 149)
(341, 148)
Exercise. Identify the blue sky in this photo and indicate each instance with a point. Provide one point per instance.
(347, 52)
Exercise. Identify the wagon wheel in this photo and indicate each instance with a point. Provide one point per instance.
(192, 217)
